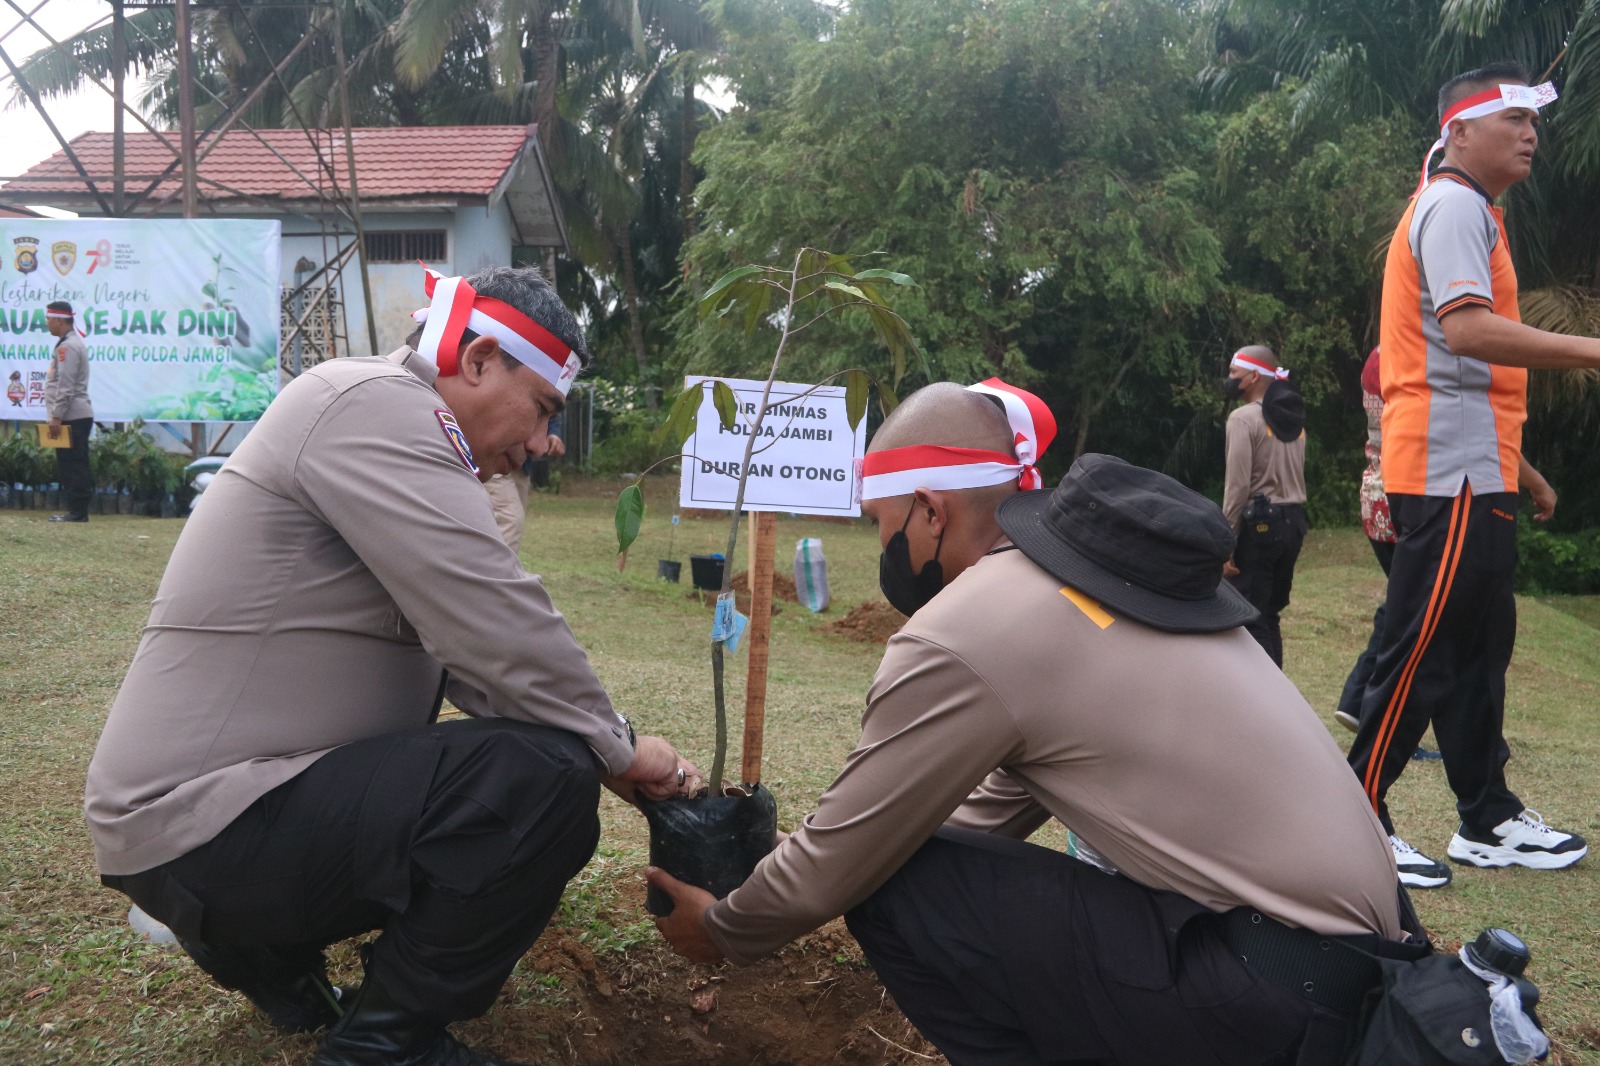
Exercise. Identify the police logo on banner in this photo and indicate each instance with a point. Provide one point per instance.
(457, 439)
(27, 256)
(63, 254)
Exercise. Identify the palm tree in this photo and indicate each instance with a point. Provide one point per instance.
(1353, 59)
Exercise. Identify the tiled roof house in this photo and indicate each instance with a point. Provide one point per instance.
(458, 197)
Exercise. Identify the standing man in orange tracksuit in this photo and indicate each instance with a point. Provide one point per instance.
(1454, 378)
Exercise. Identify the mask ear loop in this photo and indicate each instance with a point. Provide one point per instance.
(937, 548)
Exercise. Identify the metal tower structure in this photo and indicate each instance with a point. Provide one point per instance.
(312, 303)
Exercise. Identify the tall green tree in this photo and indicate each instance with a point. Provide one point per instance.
(1031, 163)
(1347, 62)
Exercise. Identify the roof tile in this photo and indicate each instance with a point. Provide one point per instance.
(391, 163)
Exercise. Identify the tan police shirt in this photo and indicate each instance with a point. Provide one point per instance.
(342, 558)
(66, 383)
(1188, 761)
(1260, 464)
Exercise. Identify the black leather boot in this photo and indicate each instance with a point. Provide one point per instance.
(376, 1032)
(289, 985)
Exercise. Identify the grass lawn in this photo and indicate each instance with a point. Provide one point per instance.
(77, 986)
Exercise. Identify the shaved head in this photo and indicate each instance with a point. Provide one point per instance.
(948, 414)
(955, 526)
(1259, 351)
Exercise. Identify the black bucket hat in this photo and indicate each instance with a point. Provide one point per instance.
(1135, 540)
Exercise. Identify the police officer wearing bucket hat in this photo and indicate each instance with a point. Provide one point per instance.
(1073, 653)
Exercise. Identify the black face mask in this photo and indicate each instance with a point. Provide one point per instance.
(905, 591)
(1232, 389)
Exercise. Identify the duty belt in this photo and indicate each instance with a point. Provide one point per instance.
(1335, 972)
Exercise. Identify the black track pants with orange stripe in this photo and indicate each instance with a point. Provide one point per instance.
(1450, 625)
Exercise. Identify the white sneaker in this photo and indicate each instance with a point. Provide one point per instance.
(1416, 869)
(1348, 720)
(1524, 840)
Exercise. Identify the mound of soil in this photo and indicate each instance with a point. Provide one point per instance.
(816, 1003)
(783, 590)
(872, 622)
(782, 586)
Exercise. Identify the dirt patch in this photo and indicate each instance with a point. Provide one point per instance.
(782, 586)
(868, 623)
(816, 1003)
(783, 590)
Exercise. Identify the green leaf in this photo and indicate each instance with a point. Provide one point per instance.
(756, 306)
(897, 278)
(839, 286)
(736, 274)
(630, 515)
(726, 402)
(681, 419)
(857, 386)
(886, 398)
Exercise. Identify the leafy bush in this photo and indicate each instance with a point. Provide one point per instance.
(1558, 563)
(128, 459)
(24, 461)
(627, 444)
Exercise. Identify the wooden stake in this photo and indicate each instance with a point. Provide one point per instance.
(763, 534)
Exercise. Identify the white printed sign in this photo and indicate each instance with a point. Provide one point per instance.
(805, 455)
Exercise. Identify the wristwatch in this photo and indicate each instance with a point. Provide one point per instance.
(633, 738)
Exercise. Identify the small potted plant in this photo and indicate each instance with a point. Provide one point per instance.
(714, 840)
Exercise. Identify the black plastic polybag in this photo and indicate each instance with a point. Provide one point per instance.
(713, 842)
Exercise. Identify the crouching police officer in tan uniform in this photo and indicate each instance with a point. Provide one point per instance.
(1073, 654)
(271, 778)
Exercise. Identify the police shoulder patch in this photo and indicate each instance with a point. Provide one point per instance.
(457, 439)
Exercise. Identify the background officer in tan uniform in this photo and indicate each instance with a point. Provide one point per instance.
(268, 780)
(66, 401)
(509, 492)
(1098, 675)
(1266, 458)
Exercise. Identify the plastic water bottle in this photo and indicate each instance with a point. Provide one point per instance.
(149, 928)
(1498, 957)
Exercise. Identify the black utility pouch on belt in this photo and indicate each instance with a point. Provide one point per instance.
(1431, 1012)
(1378, 1003)
(1264, 527)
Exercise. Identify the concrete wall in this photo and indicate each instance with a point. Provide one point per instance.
(476, 237)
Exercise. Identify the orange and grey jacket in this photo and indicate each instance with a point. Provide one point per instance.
(1448, 419)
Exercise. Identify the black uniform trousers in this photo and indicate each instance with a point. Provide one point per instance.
(1005, 953)
(1266, 577)
(1355, 686)
(72, 467)
(456, 840)
(1447, 640)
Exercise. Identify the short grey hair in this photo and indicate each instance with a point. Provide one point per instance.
(526, 289)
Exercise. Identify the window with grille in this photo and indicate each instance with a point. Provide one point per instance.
(406, 246)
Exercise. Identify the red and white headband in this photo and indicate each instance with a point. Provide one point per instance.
(69, 317)
(1499, 98)
(1259, 365)
(898, 471)
(456, 307)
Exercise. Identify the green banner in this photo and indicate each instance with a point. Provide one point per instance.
(180, 316)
